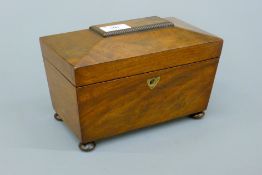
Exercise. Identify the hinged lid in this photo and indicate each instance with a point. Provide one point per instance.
(120, 49)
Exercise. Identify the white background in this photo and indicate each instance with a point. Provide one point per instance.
(227, 141)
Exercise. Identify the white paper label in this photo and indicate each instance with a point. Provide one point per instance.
(115, 27)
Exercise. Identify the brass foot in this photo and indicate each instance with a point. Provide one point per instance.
(87, 147)
(198, 115)
(57, 117)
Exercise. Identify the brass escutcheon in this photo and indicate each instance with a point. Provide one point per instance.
(152, 82)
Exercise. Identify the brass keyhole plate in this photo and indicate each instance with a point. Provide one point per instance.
(152, 82)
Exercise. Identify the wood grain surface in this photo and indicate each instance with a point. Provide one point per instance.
(113, 107)
(99, 86)
(82, 55)
(64, 98)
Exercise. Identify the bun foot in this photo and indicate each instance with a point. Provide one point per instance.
(198, 115)
(57, 117)
(87, 147)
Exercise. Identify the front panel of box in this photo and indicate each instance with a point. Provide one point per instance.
(120, 105)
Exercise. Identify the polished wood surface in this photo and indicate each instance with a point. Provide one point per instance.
(145, 63)
(117, 106)
(64, 98)
(84, 54)
(100, 86)
(54, 59)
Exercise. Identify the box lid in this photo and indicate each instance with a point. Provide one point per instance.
(115, 50)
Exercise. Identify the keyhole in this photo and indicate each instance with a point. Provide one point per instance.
(152, 81)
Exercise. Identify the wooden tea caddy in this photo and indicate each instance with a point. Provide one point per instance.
(117, 77)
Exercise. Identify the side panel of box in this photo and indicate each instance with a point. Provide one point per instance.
(114, 107)
(50, 55)
(64, 99)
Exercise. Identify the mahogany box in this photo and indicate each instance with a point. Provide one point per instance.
(117, 77)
